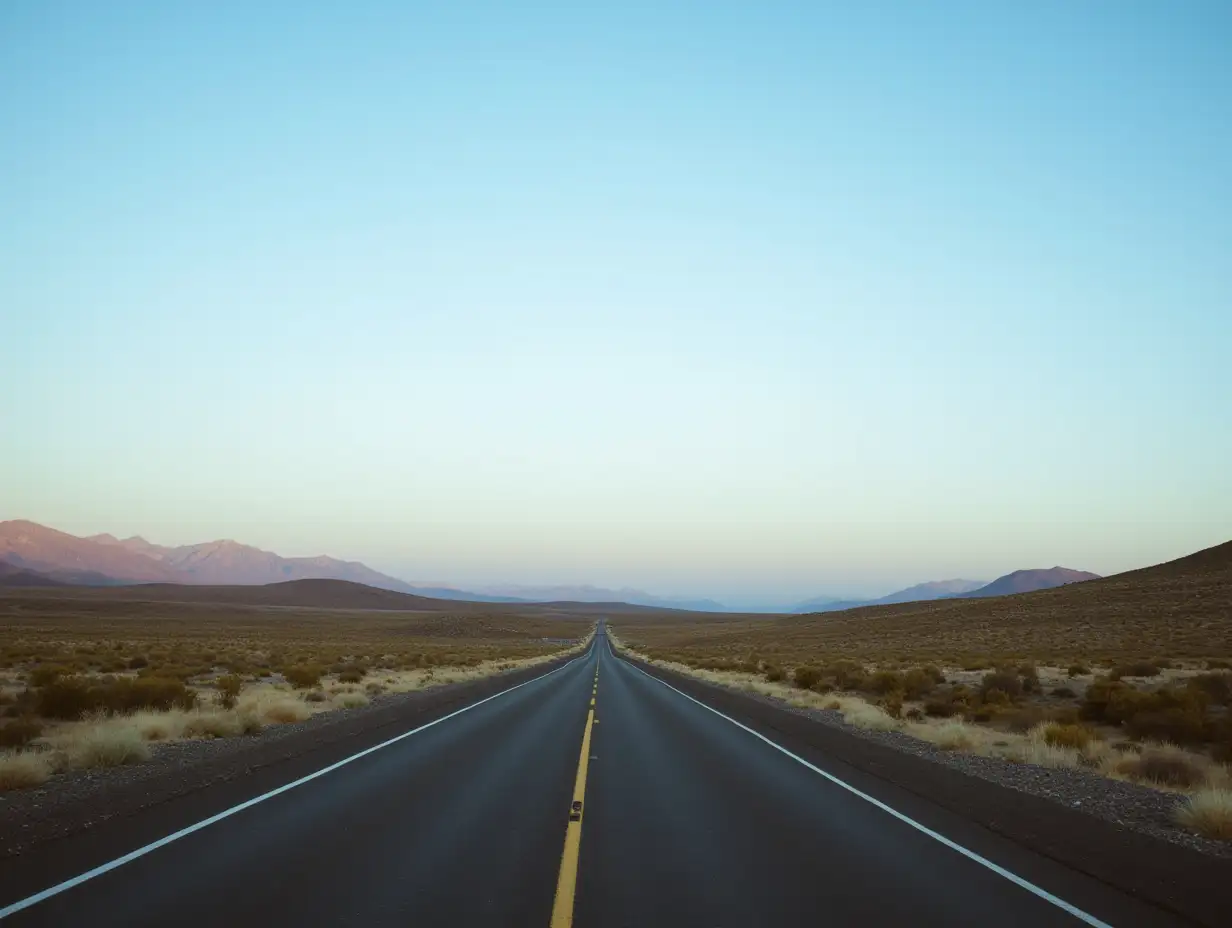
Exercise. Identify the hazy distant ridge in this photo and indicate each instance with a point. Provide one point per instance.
(103, 560)
(935, 589)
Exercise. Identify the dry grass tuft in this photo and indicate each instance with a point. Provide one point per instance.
(1035, 750)
(351, 700)
(106, 743)
(267, 705)
(950, 735)
(222, 724)
(1067, 736)
(1167, 765)
(865, 715)
(1209, 813)
(23, 769)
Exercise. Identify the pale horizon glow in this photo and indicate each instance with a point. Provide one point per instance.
(756, 302)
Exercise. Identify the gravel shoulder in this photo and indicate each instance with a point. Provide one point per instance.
(73, 801)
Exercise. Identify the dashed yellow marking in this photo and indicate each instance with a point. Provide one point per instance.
(566, 882)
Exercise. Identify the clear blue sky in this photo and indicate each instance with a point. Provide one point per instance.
(744, 299)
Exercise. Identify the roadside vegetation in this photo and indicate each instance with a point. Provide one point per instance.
(1164, 724)
(92, 685)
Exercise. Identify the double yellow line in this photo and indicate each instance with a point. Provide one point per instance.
(566, 883)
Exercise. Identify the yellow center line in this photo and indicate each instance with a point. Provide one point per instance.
(566, 883)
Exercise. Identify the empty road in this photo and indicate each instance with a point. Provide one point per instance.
(686, 819)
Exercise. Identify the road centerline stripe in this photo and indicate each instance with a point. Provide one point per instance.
(1030, 887)
(566, 881)
(70, 883)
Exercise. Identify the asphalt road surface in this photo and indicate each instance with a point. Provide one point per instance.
(687, 819)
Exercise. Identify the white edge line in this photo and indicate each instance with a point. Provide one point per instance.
(924, 829)
(68, 884)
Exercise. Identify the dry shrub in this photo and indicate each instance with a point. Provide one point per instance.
(847, 675)
(1216, 686)
(1042, 754)
(23, 769)
(1002, 682)
(1166, 714)
(229, 688)
(1067, 736)
(104, 744)
(806, 678)
(942, 707)
(304, 676)
(920, 681)
(70, 698)
(19, 732)
(1209, 813)
(863, 715)
(351, 700)
(1135, 669)
(266, 705)
(949, 736)
(158, 726)
(214, 725)
(1164, 765)
(883, 682)
(44, 674)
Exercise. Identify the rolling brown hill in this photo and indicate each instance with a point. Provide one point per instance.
(307, 594)
(12, 575)
(1181, 608)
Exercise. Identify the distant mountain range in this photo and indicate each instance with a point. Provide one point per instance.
(935, 589)
(596, 594)
(33, 554)
(37, 551)
(1020, 581)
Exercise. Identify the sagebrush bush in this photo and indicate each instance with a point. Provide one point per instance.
(1216, 686)
(69, 698)
(44, 674)
(806, 677)
(883, 682)
(1067, 736)
(847, 675)
(303, 676)
(919, 681)
(1166, 714)
(941, 708)
(1164, 764)
(229, 687)
(1135, 669)
(1008, 684)
(19, 732)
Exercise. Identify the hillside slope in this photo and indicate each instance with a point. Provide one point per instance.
(14, 576)
(1181, 608)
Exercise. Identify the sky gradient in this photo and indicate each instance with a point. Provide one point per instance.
(747, 300)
